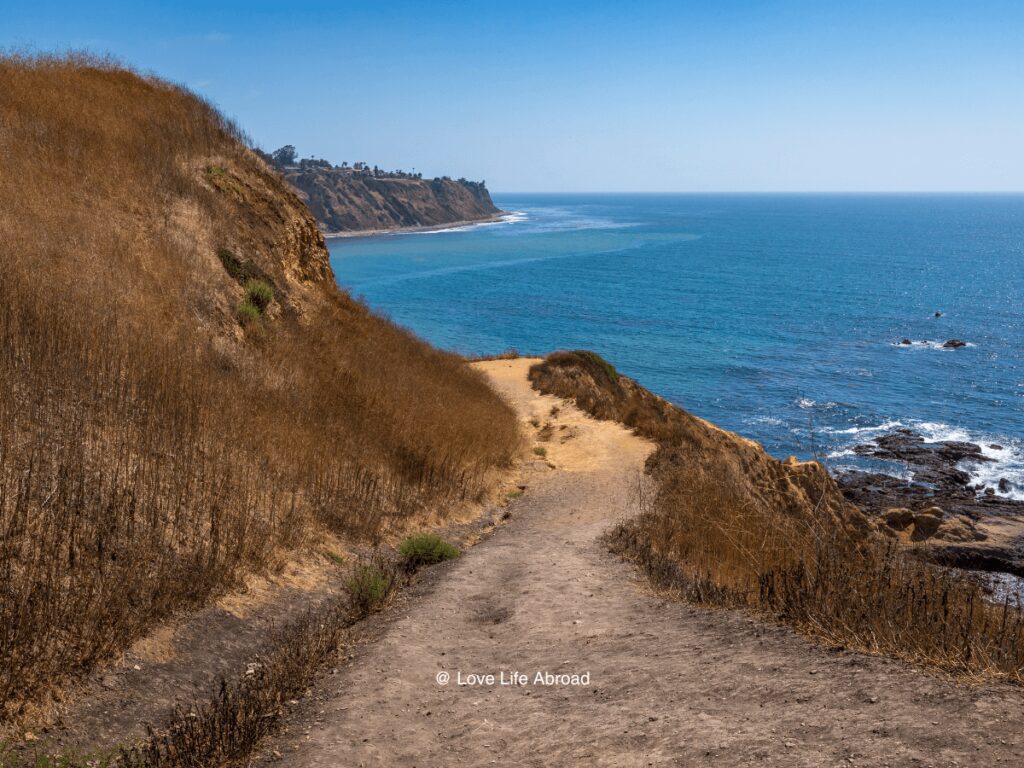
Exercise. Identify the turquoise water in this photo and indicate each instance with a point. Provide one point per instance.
(776, 316)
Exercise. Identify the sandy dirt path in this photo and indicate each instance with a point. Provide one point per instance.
(670, 684)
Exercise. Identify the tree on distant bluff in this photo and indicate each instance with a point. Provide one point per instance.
(285, 155)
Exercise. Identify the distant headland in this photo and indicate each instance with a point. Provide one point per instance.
(360, 199)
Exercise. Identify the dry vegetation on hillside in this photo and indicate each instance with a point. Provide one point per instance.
(166, 423)
(730, 525)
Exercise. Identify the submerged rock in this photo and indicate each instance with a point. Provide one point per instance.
(954, 344)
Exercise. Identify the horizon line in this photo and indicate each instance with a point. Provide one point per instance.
(765, 192)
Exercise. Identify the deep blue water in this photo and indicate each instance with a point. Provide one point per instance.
(771, 315)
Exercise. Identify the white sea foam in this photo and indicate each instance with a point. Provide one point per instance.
(841, 454)
(934, 432)
(1007, 463)
(885, 426)
(514, 217)
(806, 403)
(1007, 459)
(770, 421)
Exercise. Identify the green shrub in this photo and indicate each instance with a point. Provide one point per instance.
(219, 178)
(232, 264)
(334, 556)
(594, 360)
(248, 313)
(368, 588)
(540, 450)
(426, 549)
(259, 293)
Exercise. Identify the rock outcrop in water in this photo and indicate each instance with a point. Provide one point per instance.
(939, 504)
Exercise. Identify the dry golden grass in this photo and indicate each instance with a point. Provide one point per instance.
(152, 450)
(730, 525)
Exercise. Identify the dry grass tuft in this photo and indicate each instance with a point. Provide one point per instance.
(151, 452)
(730, 525)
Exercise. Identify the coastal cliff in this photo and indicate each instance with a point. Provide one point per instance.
(343, 200)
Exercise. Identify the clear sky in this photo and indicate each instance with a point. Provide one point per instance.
(719, 95)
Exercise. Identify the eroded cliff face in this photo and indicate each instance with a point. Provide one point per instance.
(347, 202)
(252, 225)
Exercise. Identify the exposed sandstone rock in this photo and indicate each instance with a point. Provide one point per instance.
(898, 518)
(346, 202)
(925, 526)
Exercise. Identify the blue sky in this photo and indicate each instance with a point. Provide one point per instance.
(596, 96)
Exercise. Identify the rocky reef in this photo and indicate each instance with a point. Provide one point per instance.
(937, 505)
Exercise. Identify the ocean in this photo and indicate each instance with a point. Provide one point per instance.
(779, 317)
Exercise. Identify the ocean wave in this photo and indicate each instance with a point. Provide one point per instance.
(806, 403)
(841, 454)
(936, 432)
(514, 217)
(770, 421)
(885, 426)
(1010, 468)
(555, 219)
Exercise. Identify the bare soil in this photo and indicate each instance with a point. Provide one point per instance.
(670, 684)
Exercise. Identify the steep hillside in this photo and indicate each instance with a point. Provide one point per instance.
(186, 392)
(343, 201)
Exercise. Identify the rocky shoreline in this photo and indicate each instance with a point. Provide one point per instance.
(959, 524)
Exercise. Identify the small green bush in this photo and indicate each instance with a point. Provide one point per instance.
(232, 264)
(334, 556)
(426, 549)
(540, 450)
(594, 360)
(248, 313)
(259, 293)
(368, 588)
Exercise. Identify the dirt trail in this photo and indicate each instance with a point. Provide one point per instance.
(670, 684)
